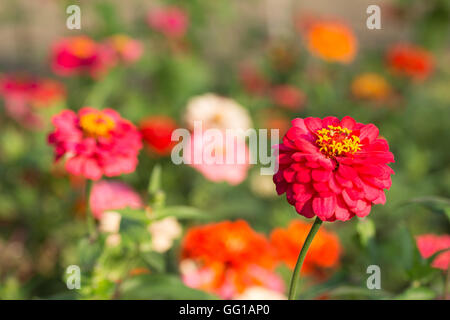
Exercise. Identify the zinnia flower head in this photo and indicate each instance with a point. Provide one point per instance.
(95, 142)
(226, 258)
(323, 253)
(107, 195)
(215, 162)
(23, 94)
(333, 169)
(81, 55)
(410, 60)
(331, 41)
(429, 244)
(371, 86)
(127, 49)
(171, 21)
(157, 133)
(288, 97)
(216, 112)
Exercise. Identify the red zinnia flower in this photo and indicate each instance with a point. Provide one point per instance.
(429, 244)
(333, 169)
(411, 61)
(24, 93)
(157, 133)
(95, 143)
(81, 54)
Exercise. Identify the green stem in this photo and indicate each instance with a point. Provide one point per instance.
(89, 217)
(301, 257)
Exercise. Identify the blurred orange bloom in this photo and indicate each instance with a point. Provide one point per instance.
(371, 86)
(226, 258)
(411, 61)
(323, 253)
(332, 41)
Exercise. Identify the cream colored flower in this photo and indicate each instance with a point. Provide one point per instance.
(113, 240)
(110, 222)
(163, 233)
(217, 112)
(260, 293)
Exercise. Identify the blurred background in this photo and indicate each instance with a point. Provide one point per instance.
(261, 55)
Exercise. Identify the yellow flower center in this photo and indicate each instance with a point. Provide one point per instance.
(97, 124)
(82, 47)
(335, 141)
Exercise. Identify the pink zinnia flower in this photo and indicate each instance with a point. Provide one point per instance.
(429, 244)
(112, 195)
(81, 54)
(217, 168)
(333, 169)
(171, 21)
(95, 143)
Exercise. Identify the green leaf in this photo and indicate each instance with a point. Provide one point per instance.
(366, 230)
(137, 215)
(88, 253)
(154, 184)
(419, 293)
(180, 212)
(154, 261)
(158, 286)
(436, 204)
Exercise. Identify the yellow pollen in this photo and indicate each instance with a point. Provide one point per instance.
(97, 124)
(335, 141)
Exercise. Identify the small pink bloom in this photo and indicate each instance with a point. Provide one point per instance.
(209, 157)
(429, 244)
(95, 143)
(112, 195)
(127, 49)
(171, 21)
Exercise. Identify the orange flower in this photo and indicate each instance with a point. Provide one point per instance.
(411, 61)
(332, 41)
(232, 243)
(371, 86)
(226, 258)
(323, 253)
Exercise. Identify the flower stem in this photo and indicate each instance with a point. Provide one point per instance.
(89, 218)
(301, 257)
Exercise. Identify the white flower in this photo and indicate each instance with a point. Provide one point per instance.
(163, 233)
(217, 112)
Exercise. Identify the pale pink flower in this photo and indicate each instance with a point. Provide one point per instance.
(218, 159)
(112, 195)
